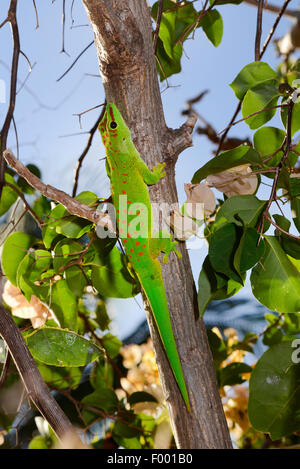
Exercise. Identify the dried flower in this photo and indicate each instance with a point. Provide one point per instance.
(34, 310)
(234, 181)
(199, 198)
(183, 227)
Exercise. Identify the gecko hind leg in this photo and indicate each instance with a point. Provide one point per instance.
(162, 242)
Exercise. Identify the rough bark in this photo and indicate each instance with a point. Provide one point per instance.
(127, 65)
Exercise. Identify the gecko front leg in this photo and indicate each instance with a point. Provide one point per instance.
(163, 242)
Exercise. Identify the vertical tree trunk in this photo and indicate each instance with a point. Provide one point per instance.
(123, 40)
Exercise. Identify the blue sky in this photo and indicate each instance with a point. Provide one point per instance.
(45, 107)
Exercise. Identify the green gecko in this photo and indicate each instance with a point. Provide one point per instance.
(129, 177)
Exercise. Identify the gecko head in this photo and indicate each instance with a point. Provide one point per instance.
(113, 130)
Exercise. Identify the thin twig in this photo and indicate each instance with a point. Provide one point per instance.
(281, 12)
(158, 21)
(75, 61)
(26, 204)
(252, 115)
(273, 29)
(63, 50)
(260, 8)
(294, 14)
(36, 14)
(85, 151)
(87, 110)
(12, 18)
(278, 168)
(281, 229)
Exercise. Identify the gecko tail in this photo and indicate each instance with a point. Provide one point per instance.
(155, 292)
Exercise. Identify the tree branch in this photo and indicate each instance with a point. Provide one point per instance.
(73, 206)
(86, 150)
(123, 39)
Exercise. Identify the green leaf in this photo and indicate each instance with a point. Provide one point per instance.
(249, 251)
(226, 160)
(290, 245)
(214, 286)
(295, 186)
(260, 98)
(291, 323)
(127, 443)
(103, 399)
(127, 429)
(59, 347)
(111, 344)
(212, 25)
(295, 207)
(283, 222)
(76, 280)
(98, 250)
(102, 374)
(73, 227)
(231, 374)
(141, 396)
(275, 281)
(14, 250)
(175, 21)
(241, 210)
(102, 316)
(222, 246)
(267, 142)
(166, 66)
(275, 392)
(42, 207)
(61, 378)
(28, 274)
(8, 196)
(63, 252)
(250, 76)
(64, 304)
(112, 278)
(49, 232)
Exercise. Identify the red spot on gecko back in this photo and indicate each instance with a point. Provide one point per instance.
(141, 253)
(111, 113)
(137, 243)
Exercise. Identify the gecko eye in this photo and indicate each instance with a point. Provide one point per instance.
(113, 125)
